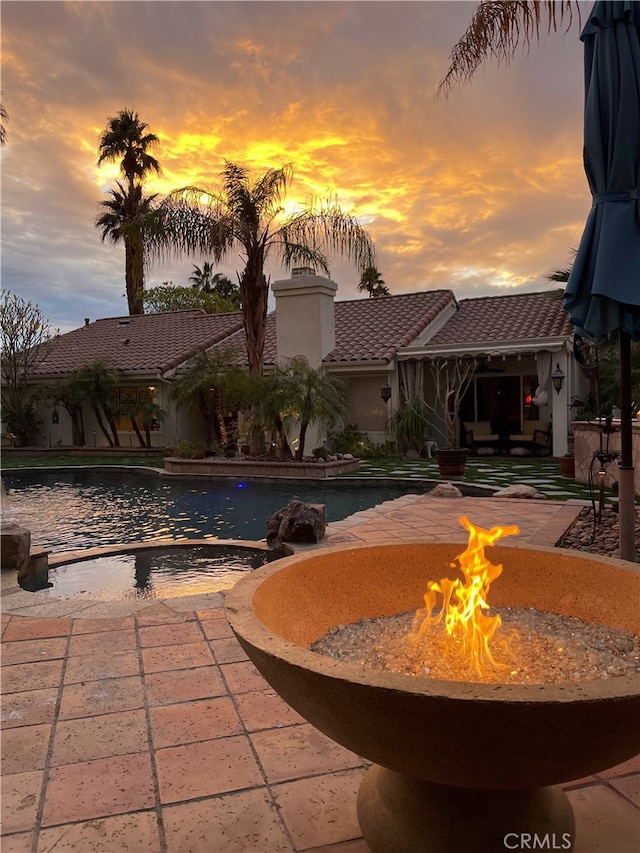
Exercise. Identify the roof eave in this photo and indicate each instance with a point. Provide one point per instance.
(553, 343)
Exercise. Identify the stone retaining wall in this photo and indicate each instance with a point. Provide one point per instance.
(254, 468)
(587, 442)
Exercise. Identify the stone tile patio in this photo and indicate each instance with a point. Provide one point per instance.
(150, 731)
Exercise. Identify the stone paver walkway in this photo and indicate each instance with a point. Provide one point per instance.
(150, 731)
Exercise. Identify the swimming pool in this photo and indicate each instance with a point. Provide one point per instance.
(165, 571)
(74, 508)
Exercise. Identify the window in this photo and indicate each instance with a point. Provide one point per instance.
(127, 397)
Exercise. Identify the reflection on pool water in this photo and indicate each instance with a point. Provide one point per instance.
(69, 509)
(163, 572)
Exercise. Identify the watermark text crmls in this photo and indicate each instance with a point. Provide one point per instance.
(534, 841)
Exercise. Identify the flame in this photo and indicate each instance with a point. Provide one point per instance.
(464, 603)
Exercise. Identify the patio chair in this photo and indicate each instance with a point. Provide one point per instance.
(478, 434)
(535, 435)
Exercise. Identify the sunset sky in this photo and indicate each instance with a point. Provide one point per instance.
(483, 193)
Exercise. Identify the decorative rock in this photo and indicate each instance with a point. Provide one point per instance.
(412, 453)
(601, 537)
(16, 544)
(278, 552)
(520, 490)
(485, 451)
(445, 490)
(297, 522)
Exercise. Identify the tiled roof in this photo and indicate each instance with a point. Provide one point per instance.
(140, 343)
(494, 319)
(366, 330)
(374, 329)
(369, 329)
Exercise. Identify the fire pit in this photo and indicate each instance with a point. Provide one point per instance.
(457, 765)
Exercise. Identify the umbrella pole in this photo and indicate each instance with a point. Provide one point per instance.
(626, 485)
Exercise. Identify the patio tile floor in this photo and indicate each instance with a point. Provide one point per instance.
(150, 732)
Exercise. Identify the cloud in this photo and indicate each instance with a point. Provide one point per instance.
(480, 191)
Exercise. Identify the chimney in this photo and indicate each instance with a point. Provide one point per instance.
(305, 322)
(86, 321)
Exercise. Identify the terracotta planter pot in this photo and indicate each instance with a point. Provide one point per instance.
(568, 466)
(452, 461)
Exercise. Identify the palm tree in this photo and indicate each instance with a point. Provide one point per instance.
(311, 395)
(372, 282)
(116, 225)
(142, 414)
(70, 394)
(125, 137)
(246, 214)
(96, 384)
(226, 289)
(211, 376)
(202, 279)
(496, 30)
(270, 391)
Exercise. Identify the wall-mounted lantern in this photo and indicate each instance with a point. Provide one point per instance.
(557, 378)
(385, 393)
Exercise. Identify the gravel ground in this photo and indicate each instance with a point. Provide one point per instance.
(581, 535)
(531, 647)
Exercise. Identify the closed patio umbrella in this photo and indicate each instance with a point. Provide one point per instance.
(602, 296)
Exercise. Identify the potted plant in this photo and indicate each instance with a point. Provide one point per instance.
(451, 379)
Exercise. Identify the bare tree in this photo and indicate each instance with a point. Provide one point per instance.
(451, 378)
(25, 340)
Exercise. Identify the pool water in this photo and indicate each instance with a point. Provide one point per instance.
(150, 573)
(70, 509)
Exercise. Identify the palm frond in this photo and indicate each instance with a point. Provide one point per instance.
(560, 275)
(498, 28)
(269, 190)
(4, 116)
(181, 226)
(327, 229)
(299, 254)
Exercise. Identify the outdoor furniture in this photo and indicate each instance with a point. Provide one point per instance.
(479, 434)
(430, 448)
(535, 435)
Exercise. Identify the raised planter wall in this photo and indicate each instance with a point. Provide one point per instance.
(587, 442)
(251, 468)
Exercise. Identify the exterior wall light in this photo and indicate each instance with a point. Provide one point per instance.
(385, 393)
(557, 377)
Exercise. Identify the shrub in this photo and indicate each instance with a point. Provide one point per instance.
(351, 440)
(388, 450)
(348, 440)
(189, 450)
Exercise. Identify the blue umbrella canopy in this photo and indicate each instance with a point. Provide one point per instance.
(603, 292)
(602, 296)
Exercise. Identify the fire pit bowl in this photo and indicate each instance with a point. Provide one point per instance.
(457, 765)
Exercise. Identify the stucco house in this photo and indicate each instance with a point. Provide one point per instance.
(516, 341)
